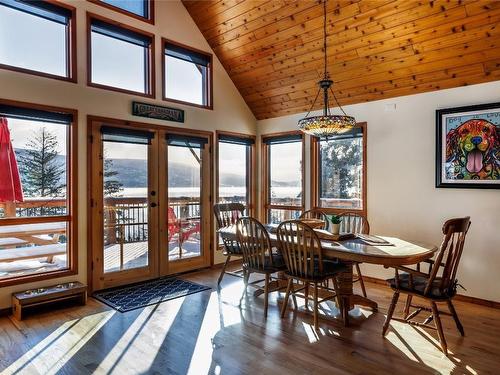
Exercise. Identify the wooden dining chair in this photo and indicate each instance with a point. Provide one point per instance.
(227, 214)
(258, 256)
(357, 224)
(316, 213)
(438, 284)
(301, 250)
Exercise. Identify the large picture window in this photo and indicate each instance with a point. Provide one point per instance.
(283, 156)
(120, 58)
(37, 37)
(37, 218)
(187, 75)
(339, 165)
(235, 166)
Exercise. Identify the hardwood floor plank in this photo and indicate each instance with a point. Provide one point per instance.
(219, 332)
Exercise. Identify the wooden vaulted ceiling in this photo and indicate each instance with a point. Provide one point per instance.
(272, 49)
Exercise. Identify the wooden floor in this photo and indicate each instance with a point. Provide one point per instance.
(211, 333)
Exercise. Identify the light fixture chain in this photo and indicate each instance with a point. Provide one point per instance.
(324, 36)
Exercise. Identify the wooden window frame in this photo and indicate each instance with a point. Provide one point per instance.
(315, 183)
(70, 45)
(265, 204)
(150, 77)
(71, 218)
(209, 84)
(151, 10)
(251, 167)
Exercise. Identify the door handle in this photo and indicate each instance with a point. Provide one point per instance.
(153, 204)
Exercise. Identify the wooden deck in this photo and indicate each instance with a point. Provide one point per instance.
(135, 254)
(215, 333)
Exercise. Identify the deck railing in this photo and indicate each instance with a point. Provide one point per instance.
(125, 218)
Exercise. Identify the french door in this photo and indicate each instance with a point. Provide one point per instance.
(150, 192)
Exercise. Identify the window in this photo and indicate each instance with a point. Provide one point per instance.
(284, 176)
(187, 75)
(235, 153)
(37, 224)
(120, 58)
(38, 38)
(141, 9)
(339, 170)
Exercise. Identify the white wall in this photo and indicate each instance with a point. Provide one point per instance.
(172, 22)
(402, 199)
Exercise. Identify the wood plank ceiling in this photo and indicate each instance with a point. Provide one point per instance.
(272, 49)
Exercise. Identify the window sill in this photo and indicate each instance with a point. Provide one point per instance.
(37, 277)
(117, 89)
(176, 101)
(37, 73)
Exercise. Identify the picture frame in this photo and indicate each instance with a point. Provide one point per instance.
(468, 147)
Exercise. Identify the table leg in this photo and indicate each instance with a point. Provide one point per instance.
(347, 297)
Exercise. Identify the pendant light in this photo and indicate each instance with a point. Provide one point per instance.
(326, 124)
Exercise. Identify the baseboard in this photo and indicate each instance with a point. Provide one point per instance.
(458, 297)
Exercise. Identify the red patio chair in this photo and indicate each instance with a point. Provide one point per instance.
(184, 228)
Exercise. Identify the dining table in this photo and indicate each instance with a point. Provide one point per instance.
(380, 250)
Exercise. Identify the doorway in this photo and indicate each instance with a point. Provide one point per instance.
(150, 201)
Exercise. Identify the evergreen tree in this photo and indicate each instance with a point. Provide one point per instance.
(343, 173)
(40, 168)
(112, 186)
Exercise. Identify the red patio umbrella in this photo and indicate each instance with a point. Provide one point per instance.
(10, 183)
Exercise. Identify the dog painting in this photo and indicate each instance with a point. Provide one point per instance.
(469, 147)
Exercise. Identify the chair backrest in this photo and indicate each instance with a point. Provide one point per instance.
(316, 214)
(301, 248)
(228, 214)
(354, 223)
(254, 242)
(448, 257)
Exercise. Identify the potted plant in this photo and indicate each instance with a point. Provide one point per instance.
(335, 220)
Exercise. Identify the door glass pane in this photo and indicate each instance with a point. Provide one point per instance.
(184, 198)
(285, 170)
(125, 206)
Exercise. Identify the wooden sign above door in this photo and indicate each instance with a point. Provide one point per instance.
(157, 112)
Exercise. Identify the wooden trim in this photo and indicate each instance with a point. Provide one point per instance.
(35, 220)
(145, 125)
(151, 11)
(151, 75)
(458, 297)
(314, 165)
(209, 88)
(72, 195)
(71, 55)
(265, 183)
